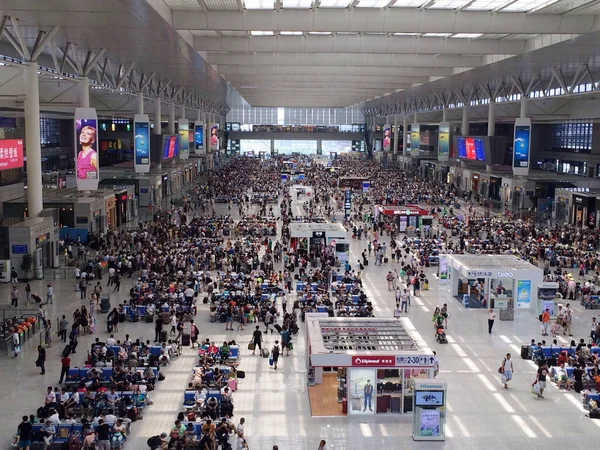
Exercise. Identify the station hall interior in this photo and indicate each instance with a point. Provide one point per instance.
(113, 112)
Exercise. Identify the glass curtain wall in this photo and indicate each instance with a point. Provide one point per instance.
(296, 146)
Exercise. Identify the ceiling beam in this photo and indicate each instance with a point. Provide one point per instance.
(389, 20)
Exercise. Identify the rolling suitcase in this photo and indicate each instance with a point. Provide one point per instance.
(395, 405)
(265, 353)
(383, 403)
(149, 318)
(525, 352)
(241, 374)
(278, 327)
(109, 327)
(166, 318)
(66, 351)
(385, 260)
(121, 317)
(185, 339)
(163, 336)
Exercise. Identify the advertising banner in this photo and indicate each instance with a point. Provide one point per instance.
(11, 154)
(521, 147)
(444, 141)
(430, 422)
(347, 203)
(141, 143)
(414, 139)
(443, 269)
(184, 146)
(86, 149)
(387, 137)
(214, 136)
(198, 139)
(523, 293)
(362, 391)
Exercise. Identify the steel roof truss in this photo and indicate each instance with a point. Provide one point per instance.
(17, 29)
(577, 78)
(93, 62)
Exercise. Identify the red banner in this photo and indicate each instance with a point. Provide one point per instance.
(11, 154)
(373, 361)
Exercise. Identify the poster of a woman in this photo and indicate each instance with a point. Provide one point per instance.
(87, 156)
(387, 138)
(214, 137)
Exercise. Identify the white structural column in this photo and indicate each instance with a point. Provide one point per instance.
(404, 128)
(206, 131)
(465, 121)
(139, 104)
(444, 114)
(157, 116)
(491, 131)
(524, 107)
(171, 118)
(32, 140)
(415, 118)
(396, 133)
(84, 92)
(182, 112)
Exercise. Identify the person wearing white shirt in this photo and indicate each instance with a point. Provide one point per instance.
(110, 342)
(397, 311)
(240, 427)
(491, 318)
(110, 417)
(70, 420)
(53, 418)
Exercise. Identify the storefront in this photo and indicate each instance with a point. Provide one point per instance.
(36, 238)
(584, 209)
(319, 238)
(110, 209)
(408, 218)
(497, 281)
(364, 366)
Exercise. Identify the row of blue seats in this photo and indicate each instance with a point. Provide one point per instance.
(234, 351)
(549, 351)
(587, 398)
(76, 375)
(64, 431)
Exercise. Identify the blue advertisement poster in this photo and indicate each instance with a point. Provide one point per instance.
(199, 137)
(523, 293)
(347, 203)
(142, 142)
(521, 146)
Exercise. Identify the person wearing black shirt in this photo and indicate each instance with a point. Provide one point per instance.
(542, 373)
(257, 339)
(158, 328)
(24, 433)
(578, 375)
(103, 435)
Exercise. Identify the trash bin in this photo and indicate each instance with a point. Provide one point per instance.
(104, 303)
(507, 314)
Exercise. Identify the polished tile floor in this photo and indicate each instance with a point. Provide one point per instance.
(275, 403)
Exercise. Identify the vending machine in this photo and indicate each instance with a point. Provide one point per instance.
(429, 406)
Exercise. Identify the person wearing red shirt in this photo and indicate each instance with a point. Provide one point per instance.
(65, 366)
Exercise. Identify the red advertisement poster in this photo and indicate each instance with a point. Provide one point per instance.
(470, 148)
(11, 154)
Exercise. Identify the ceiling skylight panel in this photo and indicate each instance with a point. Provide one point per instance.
(486, 5)
(261, 33)
(448, 4)
(467, 35)
(297, 4)
(372, 3)
(184, 5)
(528, 5)
(436, 34)
(334, 3)
(291, 33)
(259, 4)
(409, 3)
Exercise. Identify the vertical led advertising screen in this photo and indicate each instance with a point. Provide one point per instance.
(11, 154)
(522, 147)
(387, 137)
(86, 149)
(523, 293)
(184, 146)
(214, 136)
(444, 141)
(414, 139)
(198, 138)
(141, 143)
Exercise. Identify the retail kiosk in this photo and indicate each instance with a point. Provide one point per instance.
(407, 217)
(499, 281)
(305, 236)
(364, 366)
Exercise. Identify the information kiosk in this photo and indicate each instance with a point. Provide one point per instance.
(429, 406)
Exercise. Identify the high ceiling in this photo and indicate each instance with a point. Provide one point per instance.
(336, 53)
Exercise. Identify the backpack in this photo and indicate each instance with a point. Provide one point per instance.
(276, 350)
(154, 442)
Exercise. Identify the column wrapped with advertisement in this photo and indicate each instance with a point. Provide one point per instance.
(387, 137)
(86, 149)
(198, 139)
(521, 147)
(444, 141)
(214, 137)
(414, 139)
(184, 146)
(141, 143)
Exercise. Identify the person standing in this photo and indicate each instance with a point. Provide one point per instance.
(173, 323)
(41, 359)
(48, 333)
(542, 373)
(322, 445)
(102, 435)
(49, 294)
(275, 354)
(416, 286)
(117, 281)
(65, 363)
(158, 326)
(545, 322)
(368, 396)
(257, 340)
(28, 293)
(83, 287)
(63, 326)
(491, 318)
(24, 433)
(14, 276)
(404, 297)
(14, 297)
(507, 370)
(390, 279)
(567, 320)
(16, 342)
(397, 311)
